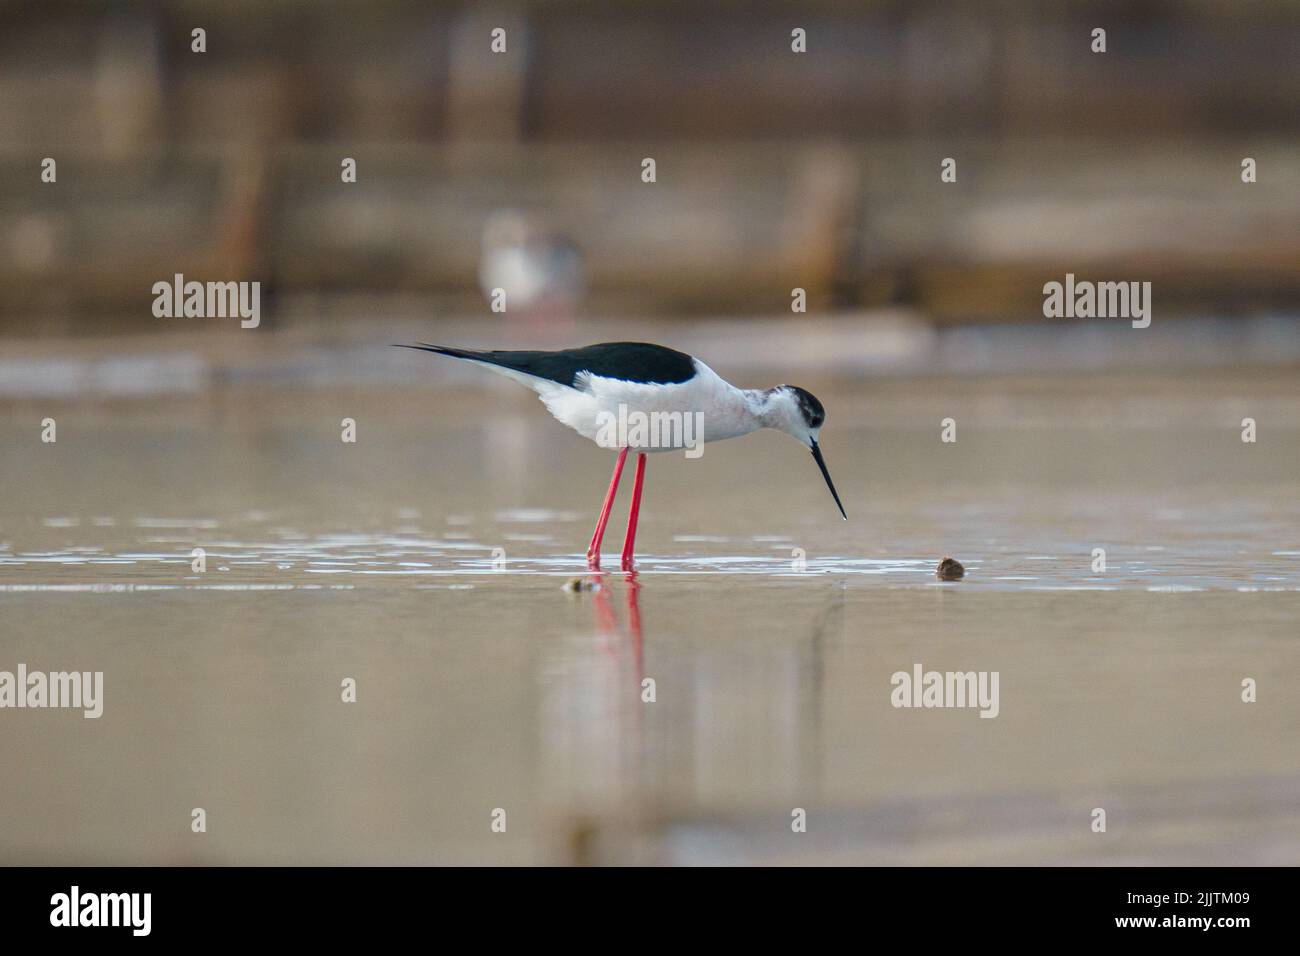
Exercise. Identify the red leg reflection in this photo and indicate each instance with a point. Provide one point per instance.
(593, 550)
(606, 623)
(634, 625)
(629, 543)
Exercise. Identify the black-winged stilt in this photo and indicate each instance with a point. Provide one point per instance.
(636, 395)
(538, 270)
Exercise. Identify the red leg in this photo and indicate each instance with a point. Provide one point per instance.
(593, 550)
(629, 543)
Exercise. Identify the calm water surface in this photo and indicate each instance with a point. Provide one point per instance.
(427, 561)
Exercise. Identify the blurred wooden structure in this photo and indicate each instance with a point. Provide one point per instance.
(775, 169)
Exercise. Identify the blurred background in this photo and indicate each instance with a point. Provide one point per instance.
(774, 171)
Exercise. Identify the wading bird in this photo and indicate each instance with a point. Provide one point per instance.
(540, 268)
(635, 395)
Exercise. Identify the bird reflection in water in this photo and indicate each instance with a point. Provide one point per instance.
(592, 720)
(607, 621)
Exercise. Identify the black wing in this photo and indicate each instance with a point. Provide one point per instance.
(628, 361)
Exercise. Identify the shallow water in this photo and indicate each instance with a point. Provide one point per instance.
(427, 560)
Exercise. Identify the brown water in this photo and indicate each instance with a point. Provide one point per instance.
(482, 684)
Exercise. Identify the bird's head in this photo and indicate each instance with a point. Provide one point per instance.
(797, 412)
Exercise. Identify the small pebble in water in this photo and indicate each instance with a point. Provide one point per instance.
(579, 585)
(949, 569)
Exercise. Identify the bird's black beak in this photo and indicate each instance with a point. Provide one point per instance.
(821, 463)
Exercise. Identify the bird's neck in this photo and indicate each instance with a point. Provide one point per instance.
(758, 404)
(730, 412)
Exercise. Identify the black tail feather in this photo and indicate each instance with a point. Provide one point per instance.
(445, 350)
